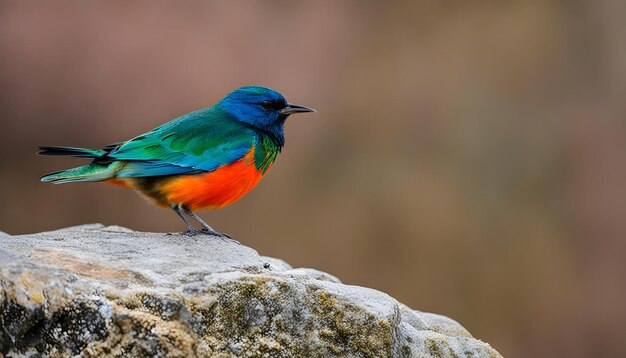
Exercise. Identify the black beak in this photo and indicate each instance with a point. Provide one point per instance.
(294, 108)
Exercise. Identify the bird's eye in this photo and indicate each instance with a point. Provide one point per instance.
(267, 104)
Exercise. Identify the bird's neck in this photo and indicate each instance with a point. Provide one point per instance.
(267, 147)
(276, 134)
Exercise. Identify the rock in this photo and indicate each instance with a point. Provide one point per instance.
(108, 291)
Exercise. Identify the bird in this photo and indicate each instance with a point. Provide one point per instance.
(206, 159)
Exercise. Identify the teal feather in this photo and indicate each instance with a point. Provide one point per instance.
(199, 141)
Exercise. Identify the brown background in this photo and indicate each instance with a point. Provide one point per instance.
(468, 158)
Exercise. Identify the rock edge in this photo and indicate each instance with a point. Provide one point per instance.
(109, 291)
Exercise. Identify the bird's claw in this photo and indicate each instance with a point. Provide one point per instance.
(220, 235)
(217, 234)
(214, 233)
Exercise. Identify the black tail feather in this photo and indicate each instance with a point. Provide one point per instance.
(70, 151)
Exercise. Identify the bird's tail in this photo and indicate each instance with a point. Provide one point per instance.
(71, 151)
(89, 172)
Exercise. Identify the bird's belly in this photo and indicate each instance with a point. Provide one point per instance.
(215, 189)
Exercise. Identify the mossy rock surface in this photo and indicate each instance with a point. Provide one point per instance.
(108, 291)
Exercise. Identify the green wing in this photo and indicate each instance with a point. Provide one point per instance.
(200, 141)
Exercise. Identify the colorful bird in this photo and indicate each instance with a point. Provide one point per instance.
(204, 159)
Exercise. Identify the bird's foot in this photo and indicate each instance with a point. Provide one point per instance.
(220, 235)
(205, 231)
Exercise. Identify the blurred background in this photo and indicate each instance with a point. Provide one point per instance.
(468, 158)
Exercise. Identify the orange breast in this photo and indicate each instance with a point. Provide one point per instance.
(215, 189)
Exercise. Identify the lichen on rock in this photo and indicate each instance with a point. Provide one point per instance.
(108, 291)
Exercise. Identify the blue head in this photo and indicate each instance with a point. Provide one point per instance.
(260, 107)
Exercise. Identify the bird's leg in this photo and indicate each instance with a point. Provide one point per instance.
(190, 229)
(205, 227)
